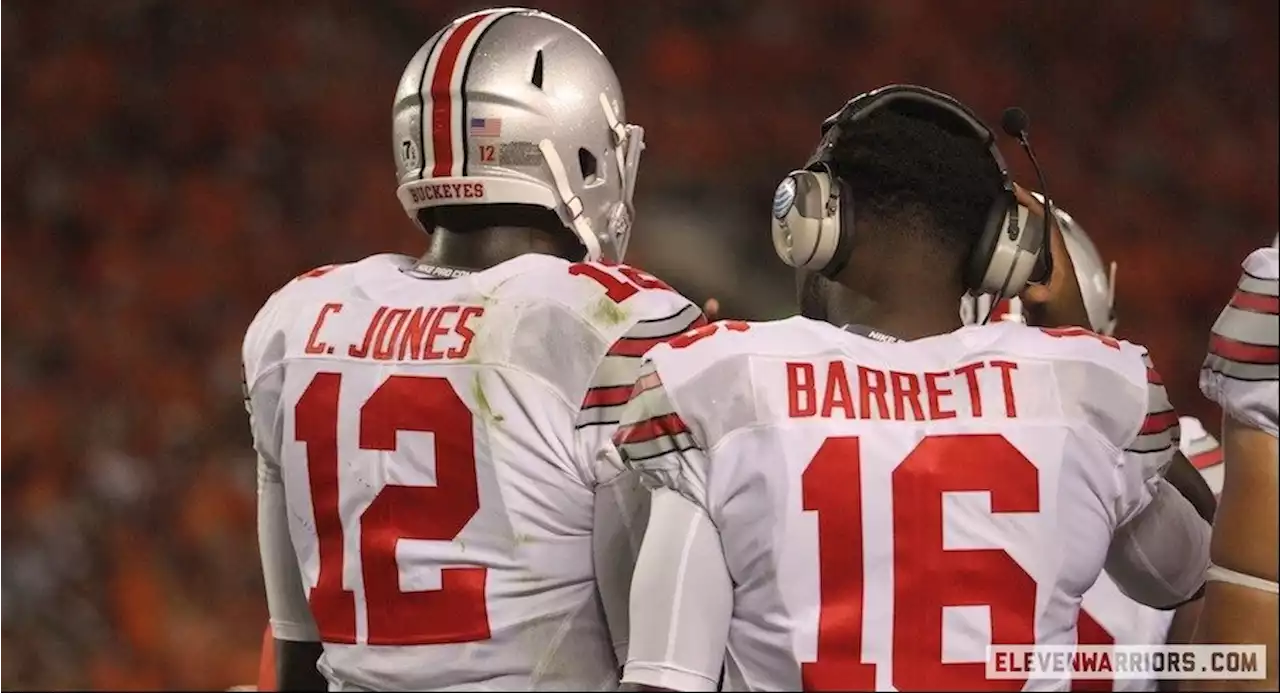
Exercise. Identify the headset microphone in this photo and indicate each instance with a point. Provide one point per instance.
(1016, 123)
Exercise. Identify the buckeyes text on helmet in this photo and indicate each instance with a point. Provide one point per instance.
(514, 106)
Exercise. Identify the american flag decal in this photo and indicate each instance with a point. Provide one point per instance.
(485, 127)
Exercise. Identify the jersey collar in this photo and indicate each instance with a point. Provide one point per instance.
(423, 270)
(877, 335)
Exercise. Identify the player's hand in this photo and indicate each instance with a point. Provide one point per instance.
(1057, 302)
(711, 309)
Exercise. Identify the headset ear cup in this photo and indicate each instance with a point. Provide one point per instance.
(805, 223)
(1006, 254)
(984, 251)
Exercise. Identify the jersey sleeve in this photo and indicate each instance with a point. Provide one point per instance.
(1242, 370)
(1159, 551)
(610, 387)
(262, 352)
(654, 440)
(1155, 442)
(621, 510)
(262, 380)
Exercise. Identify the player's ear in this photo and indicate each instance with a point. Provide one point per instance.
(1036, 294)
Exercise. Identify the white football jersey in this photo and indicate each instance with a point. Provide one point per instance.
(435, 438)
(888, 510)
(1242, 370)
(1108, 617)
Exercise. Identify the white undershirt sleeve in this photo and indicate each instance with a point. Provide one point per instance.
(681, 599)
(1160, 557)
(291, 617)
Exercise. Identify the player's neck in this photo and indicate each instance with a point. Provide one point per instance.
(908, 319)
(481, 249)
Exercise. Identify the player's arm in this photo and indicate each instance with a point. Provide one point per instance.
(621, 501)
(1241, 604)
(297, 641)
(681, 593)
(1184, 476)
(1160, 550)
(1205, 454)
(1241, 373)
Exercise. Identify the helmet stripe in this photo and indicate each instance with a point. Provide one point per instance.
(460, 163)
(424, 114)
(446, 95)
(442, 101)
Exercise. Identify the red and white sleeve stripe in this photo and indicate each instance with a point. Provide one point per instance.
(611, 387)
(650, 427)
(444, 78)
(1160, 431)
(1245, 344)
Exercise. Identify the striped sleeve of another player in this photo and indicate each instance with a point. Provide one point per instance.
(611, 387)
(1245, 344)
(1160, 431)
(650, 428)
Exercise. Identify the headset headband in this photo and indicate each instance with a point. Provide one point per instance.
(917, 102)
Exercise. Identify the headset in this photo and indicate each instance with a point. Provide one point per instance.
(813, 211)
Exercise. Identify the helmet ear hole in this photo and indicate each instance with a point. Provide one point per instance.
(589, 166)
(536, 78)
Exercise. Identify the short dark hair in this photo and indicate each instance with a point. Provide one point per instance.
(917, 177)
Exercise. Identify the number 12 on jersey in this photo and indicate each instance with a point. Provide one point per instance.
(456, 612)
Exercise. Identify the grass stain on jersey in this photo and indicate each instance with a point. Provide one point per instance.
(482, 401)
(608, 312)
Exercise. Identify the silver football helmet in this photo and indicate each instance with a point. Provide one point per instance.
(512, 105)
(1097, 282)
(1097, 279)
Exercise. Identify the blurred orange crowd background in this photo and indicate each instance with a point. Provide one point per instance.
(167, 165)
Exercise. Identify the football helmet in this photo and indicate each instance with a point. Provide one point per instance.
(512, 105)
(1096, 279)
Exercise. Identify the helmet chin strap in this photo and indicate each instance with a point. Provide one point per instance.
(577, 219)
(618, 129)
